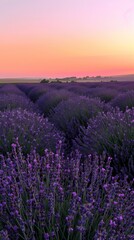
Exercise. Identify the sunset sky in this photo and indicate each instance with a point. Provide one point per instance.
(58, 38)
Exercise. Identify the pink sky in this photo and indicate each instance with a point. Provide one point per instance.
(56, 38)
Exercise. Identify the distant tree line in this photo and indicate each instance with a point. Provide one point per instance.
(68, 79)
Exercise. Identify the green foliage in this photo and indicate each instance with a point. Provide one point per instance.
(44, 81)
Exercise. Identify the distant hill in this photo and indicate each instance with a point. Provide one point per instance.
(20, 80)
(120, 78)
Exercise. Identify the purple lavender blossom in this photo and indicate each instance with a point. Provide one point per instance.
(66, 200)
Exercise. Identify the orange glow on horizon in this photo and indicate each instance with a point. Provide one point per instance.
(46, 59)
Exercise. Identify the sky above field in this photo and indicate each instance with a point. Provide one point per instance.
(58, 38)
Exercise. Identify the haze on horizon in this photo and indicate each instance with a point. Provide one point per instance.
(56, 38)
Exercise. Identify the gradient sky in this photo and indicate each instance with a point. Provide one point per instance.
(58, 38)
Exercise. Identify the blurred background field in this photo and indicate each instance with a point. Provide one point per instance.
(119, 78)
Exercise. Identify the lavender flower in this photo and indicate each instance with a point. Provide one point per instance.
(38, 202)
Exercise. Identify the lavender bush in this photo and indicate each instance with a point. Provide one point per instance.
(51, 197)
(78, 89)
(124, 100)
(124, 86)
(57, 85)
(69, 115)
(13, 101)
(51, 99)
(112, 132)
(26, 87)
(37, 91)
(100, 90)
(10, 88)
(105, 94)
(32, 130)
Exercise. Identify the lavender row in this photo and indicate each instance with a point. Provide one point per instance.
(124, 100)
(9, 101)
(47, 102)
(112, 132)
(69, 115)
(31, 129)
(11, 89)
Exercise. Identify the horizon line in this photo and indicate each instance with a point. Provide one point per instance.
(102, 76)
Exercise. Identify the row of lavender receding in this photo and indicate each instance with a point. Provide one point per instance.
(70, 114)
(11, 97)
(41, 193)
(122, 93)
(106, 91)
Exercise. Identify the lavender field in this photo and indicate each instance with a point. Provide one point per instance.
(67, 161)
